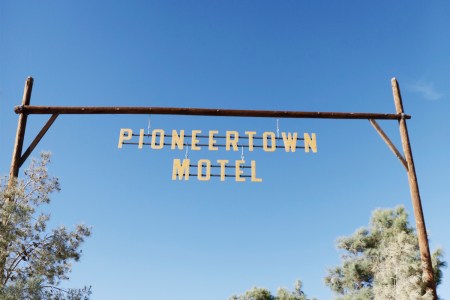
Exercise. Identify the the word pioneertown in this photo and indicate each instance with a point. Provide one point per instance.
(212, 140)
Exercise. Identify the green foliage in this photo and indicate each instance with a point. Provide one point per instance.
(35, 289)
(282, 294)
(255, 294)
(382, 261)
(34, 260)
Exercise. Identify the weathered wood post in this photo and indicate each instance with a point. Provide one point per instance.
(15, 164)
(20, 135)
(427, 275)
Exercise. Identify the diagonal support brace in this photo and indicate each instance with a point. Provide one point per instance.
(37, 139)
(391, 146)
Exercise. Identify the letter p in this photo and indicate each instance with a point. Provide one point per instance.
(125, 135)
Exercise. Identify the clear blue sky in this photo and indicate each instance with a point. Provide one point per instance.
(158, 239)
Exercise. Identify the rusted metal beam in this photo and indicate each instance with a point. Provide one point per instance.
(28, 110)
(427, 268)
(389, 143)
(37, 139)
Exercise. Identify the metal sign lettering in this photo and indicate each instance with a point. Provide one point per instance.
(212, 141)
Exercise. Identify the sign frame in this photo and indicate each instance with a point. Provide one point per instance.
(406, 159)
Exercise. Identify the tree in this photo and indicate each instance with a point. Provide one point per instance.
(382, 261)
(282, 294)
(34, 260)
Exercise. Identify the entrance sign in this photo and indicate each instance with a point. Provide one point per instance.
(19, 157)
(231, 141)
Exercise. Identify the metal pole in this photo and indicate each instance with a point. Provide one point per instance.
(20, 135)
(427, 275)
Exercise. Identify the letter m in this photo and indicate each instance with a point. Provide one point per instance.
(180, 169)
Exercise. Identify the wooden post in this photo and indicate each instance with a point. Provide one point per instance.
(20, 135)
(15, 163)
(427, 268)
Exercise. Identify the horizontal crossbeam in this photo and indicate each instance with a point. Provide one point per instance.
(125, 110)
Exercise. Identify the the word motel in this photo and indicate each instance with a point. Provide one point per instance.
(181, 169)
(212, 140)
